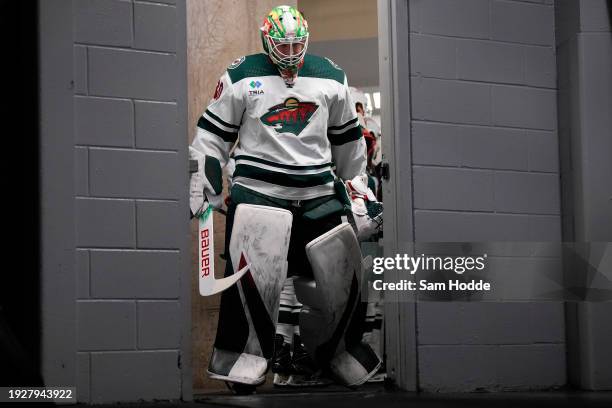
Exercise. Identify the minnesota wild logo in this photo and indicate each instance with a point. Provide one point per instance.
(291, 116)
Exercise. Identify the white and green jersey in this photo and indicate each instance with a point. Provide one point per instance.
(292, 142)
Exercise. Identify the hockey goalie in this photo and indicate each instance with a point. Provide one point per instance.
(299, 176)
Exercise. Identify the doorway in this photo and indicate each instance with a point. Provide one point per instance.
(349, 33)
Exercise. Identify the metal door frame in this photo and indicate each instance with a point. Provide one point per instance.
(394, 74)
(57, 205)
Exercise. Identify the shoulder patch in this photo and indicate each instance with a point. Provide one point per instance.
(321, 67)
(236, 63)
(333, 64)
(255, 65)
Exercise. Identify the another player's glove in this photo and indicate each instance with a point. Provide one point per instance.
(367, 212)
(205, 186)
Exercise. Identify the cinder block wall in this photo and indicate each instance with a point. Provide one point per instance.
(131, 215)
(485, 168)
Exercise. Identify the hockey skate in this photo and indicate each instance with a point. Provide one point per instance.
(304, 370)
(296, 368)
(281, 362)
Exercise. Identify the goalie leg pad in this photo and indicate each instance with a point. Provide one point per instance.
(330, 303)
(249, 311)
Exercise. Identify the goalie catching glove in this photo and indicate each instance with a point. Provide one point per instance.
(367, 211)
(206, 184)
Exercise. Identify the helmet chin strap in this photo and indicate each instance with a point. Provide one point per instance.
(290, 75)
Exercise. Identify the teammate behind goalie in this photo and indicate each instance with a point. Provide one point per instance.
(292, 121)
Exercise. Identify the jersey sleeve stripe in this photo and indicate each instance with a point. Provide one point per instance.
(340, 127)
(221, 121)
(283, 179)
(229, 137)
(277, 169)
(349, 136)
(281, 165)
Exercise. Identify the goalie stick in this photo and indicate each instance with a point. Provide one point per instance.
(209, 285)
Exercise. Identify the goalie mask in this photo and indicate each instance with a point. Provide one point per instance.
(284, 35)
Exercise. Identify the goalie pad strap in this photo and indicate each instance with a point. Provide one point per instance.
(355, 365)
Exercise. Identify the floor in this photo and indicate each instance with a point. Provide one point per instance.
(375, 396)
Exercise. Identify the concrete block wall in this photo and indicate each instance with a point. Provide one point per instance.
(486, 169)
(130, 181)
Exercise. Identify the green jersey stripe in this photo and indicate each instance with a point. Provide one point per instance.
(221, 121)
(207, 125)
(283, 179)
(340, 127)
(280, 165)
(349, 136)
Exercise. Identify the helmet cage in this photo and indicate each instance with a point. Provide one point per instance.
(284, 60)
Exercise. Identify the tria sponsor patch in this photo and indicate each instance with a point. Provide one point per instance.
(255, 88)
(291, 116)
